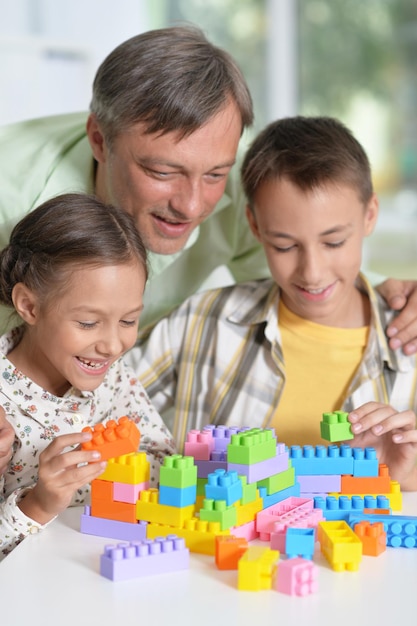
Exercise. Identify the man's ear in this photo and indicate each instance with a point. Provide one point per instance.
(252, 222)
(96, 139)
(371, 214)
(26, 303)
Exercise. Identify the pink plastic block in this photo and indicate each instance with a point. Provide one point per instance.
(298, 519)
(247, 531)
(124, 492)
(297, 577)
(112, 529)
(287, 510)
(144, 558)
(199, 444)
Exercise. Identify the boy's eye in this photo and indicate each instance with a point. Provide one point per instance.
(282, 249)
(87, 324)
(129, 322)
(335, 244)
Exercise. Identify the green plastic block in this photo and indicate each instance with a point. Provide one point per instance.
(178, 471)
(218, 511)
(252, 446)
(335, 427)
(278, 482)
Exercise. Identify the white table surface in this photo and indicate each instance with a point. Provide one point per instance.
(53, 579)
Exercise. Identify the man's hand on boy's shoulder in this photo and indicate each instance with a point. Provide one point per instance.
(402, 295)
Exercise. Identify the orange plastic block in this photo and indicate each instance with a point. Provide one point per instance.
(373, 537)
(199, 535)
(229, 550)
(367, 484)
(148, 509)
(113, 439)
(340, 545)
(257, 569)
(130, 469)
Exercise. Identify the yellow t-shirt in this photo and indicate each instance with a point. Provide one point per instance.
(320, 362)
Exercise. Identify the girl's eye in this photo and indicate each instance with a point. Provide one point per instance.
(87, 324)
(335, 244)
(128, 322)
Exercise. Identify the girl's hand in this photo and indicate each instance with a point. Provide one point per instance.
(61, 473)
(6, 441)
(394, 436)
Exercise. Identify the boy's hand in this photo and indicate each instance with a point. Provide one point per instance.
(6, 441)
(61, 473)
(402, 294)
(394, 436)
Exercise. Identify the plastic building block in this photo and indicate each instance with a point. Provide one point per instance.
(365, 484)
(198, 535)
(174, 496)
(218, 460)
(401, 530)
(222, 485)
(319, 484)
(296, 577)
(144, 558)
(288, 509)
(278, 482)
(229, 550)
(299, 542)
(112, 529)
(125, 492)
(340, 508)
(373, 537)
(320, 460)
(255, 472)
(394, 498)
(199, 444)
(365, 462)
(252, 446)
(130, 468)
(339, 544)
(149, 509)
(222, 435)
(247, 512)
(335, 426)
(279, 496)
(103, 504)
(257, 569)
(249, 491)
(113, 439)
(246, 531)
(178, 471)
(218, 511)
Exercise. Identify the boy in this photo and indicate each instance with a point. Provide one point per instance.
(280, 352)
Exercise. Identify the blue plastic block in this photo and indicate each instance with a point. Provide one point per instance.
(222, 485)
(365, 462)
(175, 496)
(342, 507)
(401, 529)
(300, 542)
(324, 460)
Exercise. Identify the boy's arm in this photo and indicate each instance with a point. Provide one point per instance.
(401, 294)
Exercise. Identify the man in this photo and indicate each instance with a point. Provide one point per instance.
(167, 113)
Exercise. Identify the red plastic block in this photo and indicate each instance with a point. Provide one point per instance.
(297, 577)
(144, 558)
(113, 439)
(229, 549)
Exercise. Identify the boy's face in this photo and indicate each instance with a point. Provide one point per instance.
(313, 244)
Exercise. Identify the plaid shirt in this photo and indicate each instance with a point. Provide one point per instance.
(218, 359)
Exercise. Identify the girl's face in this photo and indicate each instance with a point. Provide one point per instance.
(73, 340)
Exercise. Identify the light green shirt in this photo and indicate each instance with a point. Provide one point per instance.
(42, 158)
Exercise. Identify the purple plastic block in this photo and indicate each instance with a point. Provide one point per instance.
(222, 435)
(263, 469)
(320, 484)
(144, 558)
(204, 468)
(112, 529)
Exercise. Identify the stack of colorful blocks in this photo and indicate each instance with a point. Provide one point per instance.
(235, 485)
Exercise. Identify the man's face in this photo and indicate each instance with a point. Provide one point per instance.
(168, 184)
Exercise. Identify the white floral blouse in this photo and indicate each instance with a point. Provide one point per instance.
(38, 417)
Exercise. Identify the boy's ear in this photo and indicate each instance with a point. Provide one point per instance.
(96, 139)
(26, 303)
(252, 222)
(371, 214)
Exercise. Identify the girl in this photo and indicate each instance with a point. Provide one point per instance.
(74, 271)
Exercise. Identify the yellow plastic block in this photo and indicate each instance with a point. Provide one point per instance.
(257, 569)
(199, 536)
(148, 509)
(340, 545)
(131, 468)
(247, 512)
